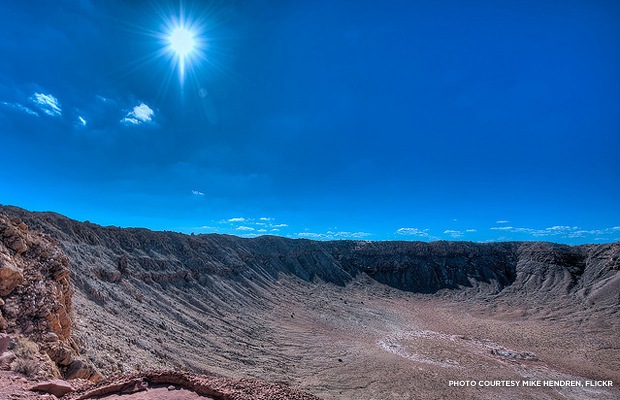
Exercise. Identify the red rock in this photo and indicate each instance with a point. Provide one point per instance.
(5, 360)
(5, 340)
(58, 387)
(10, 277)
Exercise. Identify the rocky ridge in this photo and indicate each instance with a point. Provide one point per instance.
(36, 303)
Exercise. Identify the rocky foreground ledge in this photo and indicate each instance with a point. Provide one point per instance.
(155, 385)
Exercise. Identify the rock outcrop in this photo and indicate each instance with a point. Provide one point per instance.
(199, 387)
(37, 294)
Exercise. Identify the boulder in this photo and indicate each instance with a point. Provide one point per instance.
(5, 360)
(79, 369)
(58, 387)
(10, 277)
(18, 245)
(60, 353)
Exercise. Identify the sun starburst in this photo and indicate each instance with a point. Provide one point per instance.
(183, 41)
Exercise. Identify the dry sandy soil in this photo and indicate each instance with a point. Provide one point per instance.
(374, 342)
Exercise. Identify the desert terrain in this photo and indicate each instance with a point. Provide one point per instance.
(303, 319)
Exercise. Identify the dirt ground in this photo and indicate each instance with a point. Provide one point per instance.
(370, 341)
(374, 342)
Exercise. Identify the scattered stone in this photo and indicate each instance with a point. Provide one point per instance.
(526, 355)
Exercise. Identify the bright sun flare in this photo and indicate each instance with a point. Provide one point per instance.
(181, 41)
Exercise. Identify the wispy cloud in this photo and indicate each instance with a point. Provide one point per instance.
(202, 228)
(501, 221)
(81, 120)
(244, 228)
(197, 193)
(504, 228)
(21, 108)
(470, 230)
(330, 235)
(564, 231)
(421, 233)
(266, 218)
(454, 233)
(47, 103)
(237, 219)
(280, 226)
(139, 115)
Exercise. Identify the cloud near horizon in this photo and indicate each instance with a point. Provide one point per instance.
(454, 233)
(333, 235)
(564, 231)
(422, 233)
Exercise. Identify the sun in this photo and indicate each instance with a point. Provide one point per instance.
(181, 41)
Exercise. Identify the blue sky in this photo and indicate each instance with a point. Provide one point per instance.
(392, 120)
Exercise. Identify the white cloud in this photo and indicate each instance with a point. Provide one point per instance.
(139, 115)
(502, 228)
(564, 231)
(197, 193)
(275, 230)
(414, 232)
(470, 230)
(82, 120)
(265, 219)
(20, 107)
(453, 233)
(47, 103)
(330, 235)
(237, 219)
(244, 228)
(262, 230)
(311, 235)
(502, 221)
(279, 226)
(201, 228)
